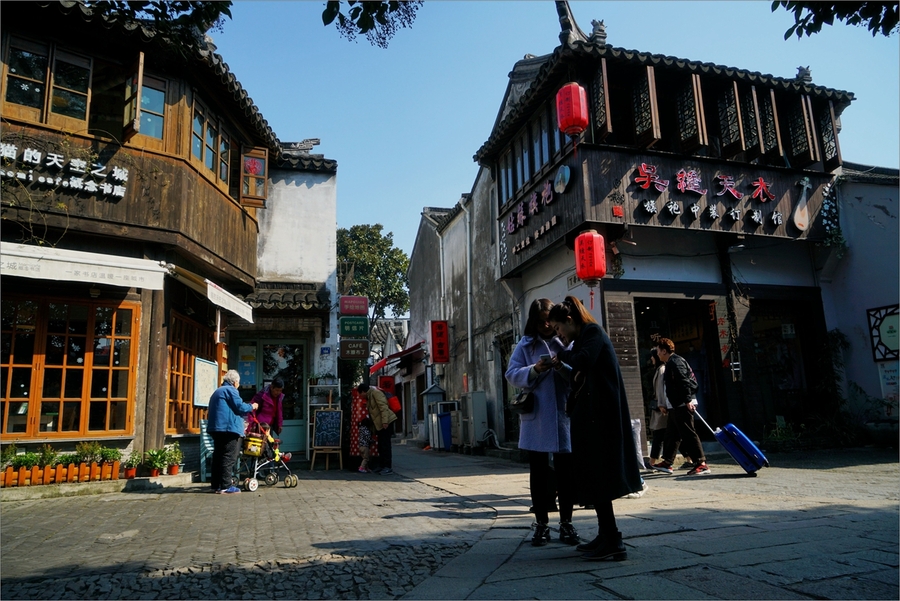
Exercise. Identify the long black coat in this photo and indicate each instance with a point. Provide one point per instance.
(602, 442)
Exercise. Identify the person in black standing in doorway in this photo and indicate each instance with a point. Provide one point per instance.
(602, 442)
(383, 417)
(681, 385)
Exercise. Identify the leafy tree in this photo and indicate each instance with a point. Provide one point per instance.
(178, 18)
(809, 17)
(378, 268)
(378, 21)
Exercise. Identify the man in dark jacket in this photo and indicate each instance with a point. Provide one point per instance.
(681, 385)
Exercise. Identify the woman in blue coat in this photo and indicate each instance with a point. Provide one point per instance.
(602, 442)
(544, 432)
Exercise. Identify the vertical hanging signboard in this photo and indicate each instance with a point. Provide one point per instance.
(440, 342)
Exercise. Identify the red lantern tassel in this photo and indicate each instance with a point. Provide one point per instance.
(592, 298)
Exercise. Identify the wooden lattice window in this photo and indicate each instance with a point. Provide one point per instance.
(68, 368)
(187, 341)
(600, 98)
(644, 107)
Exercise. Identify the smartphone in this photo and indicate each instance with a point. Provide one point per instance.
(546, 358)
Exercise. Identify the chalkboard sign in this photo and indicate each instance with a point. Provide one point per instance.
(327, 433)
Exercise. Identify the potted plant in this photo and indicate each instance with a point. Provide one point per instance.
(328, 379)
(156, 460)
(109, 463)
(174, 457)
(88, 453)
(314, 379)
(129, 469)
(49, 458)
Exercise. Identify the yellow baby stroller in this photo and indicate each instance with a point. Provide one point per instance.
(262, 458)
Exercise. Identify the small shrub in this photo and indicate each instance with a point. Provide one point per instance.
(156, 458)
(8, 454)
(88, 451)
(48, 456)
(27, 460)
(133, 460)
(174, 456)
(68, 459)
(109, 455)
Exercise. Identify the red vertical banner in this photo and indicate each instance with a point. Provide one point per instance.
(440, 342)
(386, 383)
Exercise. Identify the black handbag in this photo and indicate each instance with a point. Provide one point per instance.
(523, 403)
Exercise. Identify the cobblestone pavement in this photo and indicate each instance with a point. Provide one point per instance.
(819, 525)
(337, 534)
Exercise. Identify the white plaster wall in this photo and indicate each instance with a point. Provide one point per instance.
(867, 276)
(298, 243)
(298, 228)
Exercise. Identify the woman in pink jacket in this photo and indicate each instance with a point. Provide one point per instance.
(269, 401)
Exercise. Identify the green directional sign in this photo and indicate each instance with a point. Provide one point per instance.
(354, 327)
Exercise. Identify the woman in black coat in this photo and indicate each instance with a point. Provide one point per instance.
(602, 442)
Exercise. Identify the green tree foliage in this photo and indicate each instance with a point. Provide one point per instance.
(166, 16)
(378, 267)
(378, 21)
(809, 17)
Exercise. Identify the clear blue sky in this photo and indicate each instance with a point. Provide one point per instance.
(403, 123)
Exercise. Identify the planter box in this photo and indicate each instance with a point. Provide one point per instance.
(59, 474)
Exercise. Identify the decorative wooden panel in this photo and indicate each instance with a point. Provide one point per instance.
(801, 141)
(644, 106)
(600, 99)
(731, 129)
(828, 136)
(690, 115)
(753, 143)
(770, 130)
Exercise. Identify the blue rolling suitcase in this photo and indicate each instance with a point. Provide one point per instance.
(739, 446)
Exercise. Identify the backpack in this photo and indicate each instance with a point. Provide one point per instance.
(392, 401)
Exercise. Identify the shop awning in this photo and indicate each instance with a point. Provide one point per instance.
(396, 357)
(45, 263)
(215, 293)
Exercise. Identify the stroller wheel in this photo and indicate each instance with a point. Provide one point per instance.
(288, 481)
(252, 484)
(295, 479)
(271, 479)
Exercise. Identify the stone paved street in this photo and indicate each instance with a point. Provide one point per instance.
(813, 526)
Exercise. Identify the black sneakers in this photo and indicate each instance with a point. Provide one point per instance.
(567, 534)
(541, 535)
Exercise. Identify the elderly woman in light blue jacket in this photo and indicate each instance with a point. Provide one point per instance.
(544, 432)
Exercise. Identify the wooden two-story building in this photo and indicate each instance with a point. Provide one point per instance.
(134, 172)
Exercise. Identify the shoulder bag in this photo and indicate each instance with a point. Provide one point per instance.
(523, 403)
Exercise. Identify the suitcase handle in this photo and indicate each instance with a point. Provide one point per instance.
(697, 413)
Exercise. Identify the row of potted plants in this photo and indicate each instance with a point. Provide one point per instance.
(90, 461)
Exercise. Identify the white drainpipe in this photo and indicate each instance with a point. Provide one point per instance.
(468, 277)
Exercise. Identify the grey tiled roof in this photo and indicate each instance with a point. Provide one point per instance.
(306, 296)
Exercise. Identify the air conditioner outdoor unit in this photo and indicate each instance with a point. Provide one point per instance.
(474, 407)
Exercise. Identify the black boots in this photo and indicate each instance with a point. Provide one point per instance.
(567, 534)
(541, 535)
(604, 549)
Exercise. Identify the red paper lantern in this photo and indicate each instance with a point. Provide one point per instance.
(590, 259)
(571, 109)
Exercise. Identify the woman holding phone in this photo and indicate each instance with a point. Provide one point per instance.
(544, 432)
(602, 442)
